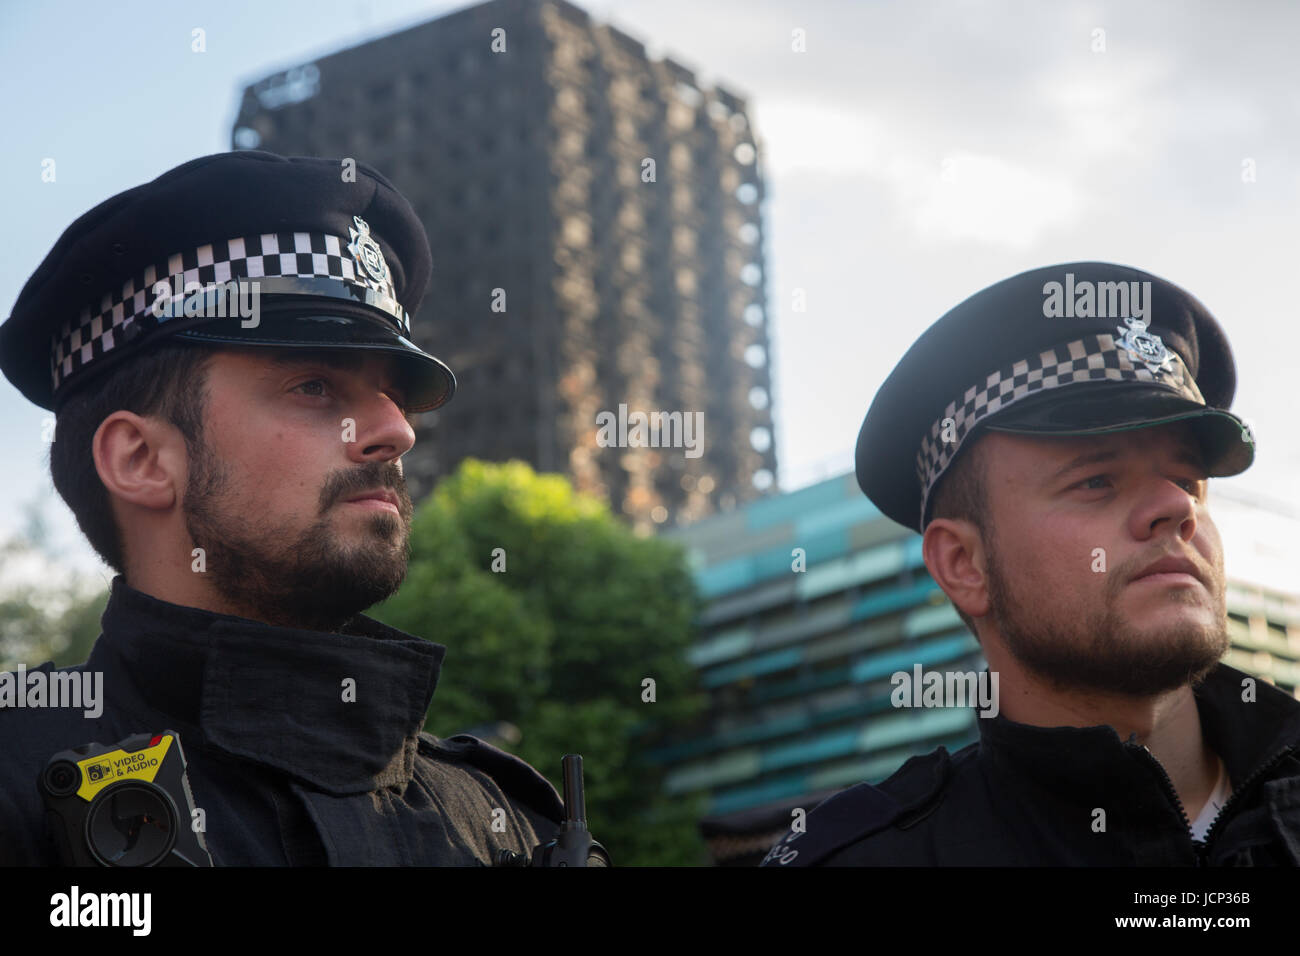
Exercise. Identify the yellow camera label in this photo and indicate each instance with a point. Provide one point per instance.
(106, 769)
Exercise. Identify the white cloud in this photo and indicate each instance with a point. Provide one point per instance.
(957, 197)
(798, 137)
(988, 199)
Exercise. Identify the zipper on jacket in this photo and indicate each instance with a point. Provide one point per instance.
(1170, 791)
(1203, 851)
(1246, 784)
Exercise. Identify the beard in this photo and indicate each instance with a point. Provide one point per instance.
(307, 579)
(1098, 650)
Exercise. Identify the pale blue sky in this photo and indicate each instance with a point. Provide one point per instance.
(917, 152)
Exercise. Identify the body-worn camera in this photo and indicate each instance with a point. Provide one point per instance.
(127, 804)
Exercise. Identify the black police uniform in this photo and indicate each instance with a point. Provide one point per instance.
(285, 769)
(1063, 350)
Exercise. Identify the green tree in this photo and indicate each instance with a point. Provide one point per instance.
(554, 615)
(79, 622)
(50, 621)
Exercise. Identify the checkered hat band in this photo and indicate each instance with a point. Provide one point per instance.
(120, 316)
(1091, 359)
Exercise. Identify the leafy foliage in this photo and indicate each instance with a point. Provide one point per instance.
(558, 641)
(56, 621)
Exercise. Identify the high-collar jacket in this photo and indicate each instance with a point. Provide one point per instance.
(1073, 796)
(304, 747)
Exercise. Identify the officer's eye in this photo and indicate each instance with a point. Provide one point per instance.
(1192, 485)
(1085, 481)
(398, 397)
(315, 381)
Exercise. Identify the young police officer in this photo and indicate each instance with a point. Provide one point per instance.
(1051, 438)
(238, 462)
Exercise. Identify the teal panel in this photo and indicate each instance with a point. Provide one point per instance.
(795, 723)
(820, 747)
(722, 769)
(721, 646)
(872, 565)
(742, 736)
(839, 515)
(774, 562)
(738, 574)
(893, 599)
(785, 788)
(929, 619)
(752, 667)
(921, 652)
(790, 507)
(791, 786)
(911, 726)
(734, 575)
(802, 684)
(824, 546)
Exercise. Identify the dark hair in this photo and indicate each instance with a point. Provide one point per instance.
(167, 382)
(962, 494)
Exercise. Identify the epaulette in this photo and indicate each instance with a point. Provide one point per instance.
(862, 810)
(516, 777)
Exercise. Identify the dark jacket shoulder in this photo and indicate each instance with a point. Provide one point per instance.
(516, 778)
(859, 825)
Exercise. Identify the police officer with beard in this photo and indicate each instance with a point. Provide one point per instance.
(1050, 437)
(236, 458)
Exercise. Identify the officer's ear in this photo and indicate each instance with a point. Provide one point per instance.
(141, 460)
(954, 553)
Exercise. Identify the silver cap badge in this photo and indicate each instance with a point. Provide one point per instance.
(1144, 346)
(368, 254)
